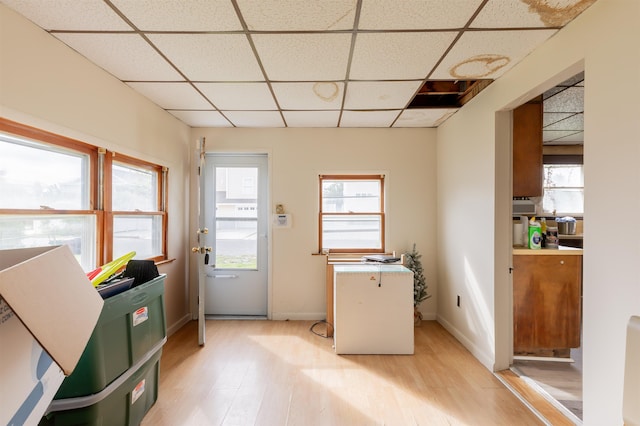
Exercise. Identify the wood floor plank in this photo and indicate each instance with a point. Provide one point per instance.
(279, 373)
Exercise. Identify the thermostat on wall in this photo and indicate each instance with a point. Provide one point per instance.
(282, 220)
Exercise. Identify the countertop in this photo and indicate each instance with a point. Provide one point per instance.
(560, 251)
(570, 236)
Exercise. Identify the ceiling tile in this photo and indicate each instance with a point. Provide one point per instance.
(575, 138)
(314, 96)
(91, 15)
(201, 118)
(380, 95)
(296, 15)
(552, 117)
(368, 118)
(507, 14)
(552, 91)
(528, 13)
(172, 95)
(388, 56)
(569, 100)
(304, 57)
(312, 118)
(575, 122)
(423, 117)
(210, 57)
(488, 54)
(178, 15)
(126, 56)
(234, 96)
(575, 80)
(424, 14)
(552, 135)
(255, 118)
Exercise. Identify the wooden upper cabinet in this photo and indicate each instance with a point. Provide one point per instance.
(527, 149)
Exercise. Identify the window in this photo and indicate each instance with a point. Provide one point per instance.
(352, 213)
(55, 190)
(563, 189)
(138, 217)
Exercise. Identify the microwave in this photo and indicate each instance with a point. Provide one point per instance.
(523, 207)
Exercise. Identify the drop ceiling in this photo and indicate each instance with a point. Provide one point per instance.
(300, 63)
(563, 113)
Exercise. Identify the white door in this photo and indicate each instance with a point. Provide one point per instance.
(235, 212)
(201, 250)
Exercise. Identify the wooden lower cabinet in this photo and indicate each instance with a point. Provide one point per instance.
(547, 292)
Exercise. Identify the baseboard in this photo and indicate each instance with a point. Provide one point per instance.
(486, 359)
(179, 324)
(298, 316)
(429, 316)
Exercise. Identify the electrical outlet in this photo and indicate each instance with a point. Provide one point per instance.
(458, 301)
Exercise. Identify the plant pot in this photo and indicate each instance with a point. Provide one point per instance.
(417, 316)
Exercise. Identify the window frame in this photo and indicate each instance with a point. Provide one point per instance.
(100, 197)
(161, 197)
(381, 213)
(561, 160)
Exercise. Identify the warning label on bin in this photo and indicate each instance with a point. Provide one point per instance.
(140, 316)
(137, 391)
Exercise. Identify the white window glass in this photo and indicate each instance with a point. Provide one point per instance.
(563, 189)
(76, 231)
(36, 176)
(360, 231)
(352, 214)
(139, 233)
(236, 218)
(134, 189)
(351, 196)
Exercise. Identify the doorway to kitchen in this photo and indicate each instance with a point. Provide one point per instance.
(235, 211)
(554, 371)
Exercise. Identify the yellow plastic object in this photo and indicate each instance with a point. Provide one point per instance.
(111, 268)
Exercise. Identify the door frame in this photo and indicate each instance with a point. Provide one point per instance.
(503, 246)
(269, 263)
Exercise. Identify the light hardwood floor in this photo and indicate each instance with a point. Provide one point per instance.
(279, 373)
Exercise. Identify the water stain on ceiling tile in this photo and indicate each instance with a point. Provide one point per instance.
(327, 91)
(479, 66)
(557, 13)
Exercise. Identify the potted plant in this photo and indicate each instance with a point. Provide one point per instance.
(414, 263)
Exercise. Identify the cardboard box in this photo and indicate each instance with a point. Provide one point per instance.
(48, 310)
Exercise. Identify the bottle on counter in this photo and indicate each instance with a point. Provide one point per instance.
(535, 235)
(543, 231)
(552, 237)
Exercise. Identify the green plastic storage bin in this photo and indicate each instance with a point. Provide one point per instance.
(130, 324)
(124, 402)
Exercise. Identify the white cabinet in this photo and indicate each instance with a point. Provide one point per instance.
(373, 309)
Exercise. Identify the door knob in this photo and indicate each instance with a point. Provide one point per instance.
(201, 250)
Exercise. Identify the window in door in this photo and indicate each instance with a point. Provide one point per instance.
(352, 213)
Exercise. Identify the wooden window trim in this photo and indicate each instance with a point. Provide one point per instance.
(161, 198)
(104, 215)
(381, 213)
(48, 138)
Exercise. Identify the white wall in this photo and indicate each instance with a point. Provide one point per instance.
(45, 84)
(603, 40)
(297, 157)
